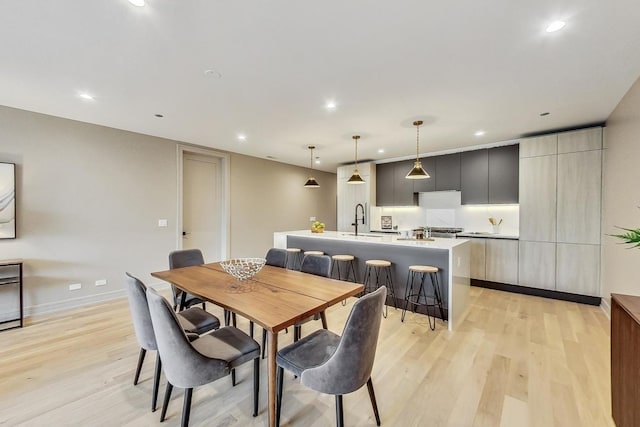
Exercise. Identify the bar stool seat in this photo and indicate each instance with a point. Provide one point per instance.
(336, 260)
(296, 255)
(382, 270)
(418, 274)
(313, 253)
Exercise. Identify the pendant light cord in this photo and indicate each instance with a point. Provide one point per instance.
(417, 141)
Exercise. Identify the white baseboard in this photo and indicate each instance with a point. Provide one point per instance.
(604, 305)
(71, 303)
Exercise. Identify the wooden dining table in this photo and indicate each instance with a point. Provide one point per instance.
(275, 299)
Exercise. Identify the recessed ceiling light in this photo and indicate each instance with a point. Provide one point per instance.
(381, 150)
(86, 96)
(479, 133)
(271, 157)
(138, 3)
(331, 105)
(544, 114)
(159, 116)
(555, 26)
(242, 137)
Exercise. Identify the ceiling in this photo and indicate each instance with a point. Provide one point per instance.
(460, 66)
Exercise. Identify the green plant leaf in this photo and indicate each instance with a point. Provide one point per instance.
(632, 236)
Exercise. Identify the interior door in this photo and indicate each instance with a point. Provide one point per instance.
(202, 205)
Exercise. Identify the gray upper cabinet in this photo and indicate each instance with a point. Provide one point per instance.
(403, 187)
(503, 174)
(448, 172)
(474, 177)
(384, 184)
(429, 184)
(392, 188)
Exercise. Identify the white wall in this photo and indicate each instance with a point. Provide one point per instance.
(621, 196)
(89, 199)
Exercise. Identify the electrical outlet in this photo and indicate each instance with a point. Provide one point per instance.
(101, 282)
(162, 223)
(75, 286)
(312, 218)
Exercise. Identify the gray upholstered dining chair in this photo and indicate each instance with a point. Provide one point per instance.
(333, 364)
(191, 364)
(276, 257)
(320, 265)
(193, 320)
(185, 258)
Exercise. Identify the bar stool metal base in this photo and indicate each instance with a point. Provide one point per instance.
(382, 271)
(418, 274)
(293, 256)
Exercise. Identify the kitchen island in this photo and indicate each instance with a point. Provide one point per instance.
(451, 256)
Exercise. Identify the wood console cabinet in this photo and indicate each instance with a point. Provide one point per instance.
(625, 360)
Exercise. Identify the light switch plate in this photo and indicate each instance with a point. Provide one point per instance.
(75, 286)
(312, 218)
(162, 223)
(101, 282)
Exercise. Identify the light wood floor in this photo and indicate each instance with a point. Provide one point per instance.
(516, 361)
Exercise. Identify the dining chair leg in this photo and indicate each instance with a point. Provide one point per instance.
(297, 332)
(251, 328)
(372, 395)
(143, 352)
(264, 343)
(156, 382)
(279, 375)
(339, 416)
(233, 377)
(186, 407)
(165, 403)
(256, 385)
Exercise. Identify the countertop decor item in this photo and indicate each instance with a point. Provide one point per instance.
(418, 171)
(496, 224)
(356, 178)
(317, 227)
(386, 223)
(311, 182)
(243, 268)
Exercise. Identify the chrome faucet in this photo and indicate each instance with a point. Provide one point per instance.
(356, 217)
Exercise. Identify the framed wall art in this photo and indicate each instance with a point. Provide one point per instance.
(7, 201)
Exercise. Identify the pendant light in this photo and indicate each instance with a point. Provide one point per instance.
(356, 178)
(418, 171)
(311, 182)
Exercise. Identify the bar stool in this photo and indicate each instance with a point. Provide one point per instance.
(295, 256)
(419, 273)
(382, 270)
(336, 260)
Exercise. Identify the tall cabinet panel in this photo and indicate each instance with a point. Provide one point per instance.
(537, 264)
(578, 269)
(349, 195)
(538, 198)
(579, 191)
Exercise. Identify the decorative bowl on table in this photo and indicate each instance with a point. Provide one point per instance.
(243, 268)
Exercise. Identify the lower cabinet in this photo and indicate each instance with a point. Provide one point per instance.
(478, 266)
(537, 265)
(578, 269)
(502, 261)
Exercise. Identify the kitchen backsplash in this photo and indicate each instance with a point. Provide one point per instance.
(445, 210)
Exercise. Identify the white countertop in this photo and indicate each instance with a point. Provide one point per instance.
(487, 235)
(436, 243)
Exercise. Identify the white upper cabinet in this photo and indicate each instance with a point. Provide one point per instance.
(349, 195)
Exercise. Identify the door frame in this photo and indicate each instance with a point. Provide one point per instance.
(224, 177)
